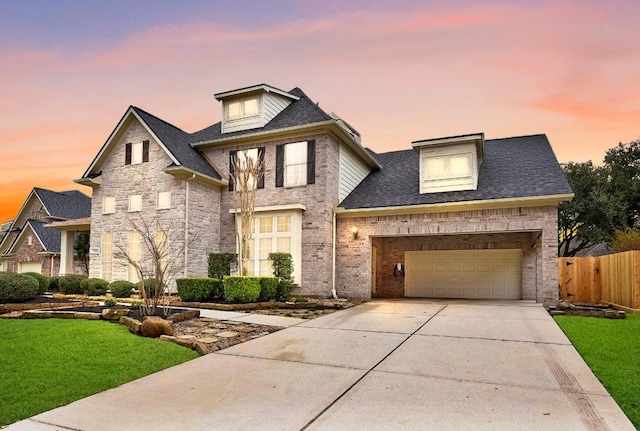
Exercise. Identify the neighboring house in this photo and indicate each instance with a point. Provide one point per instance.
(4, 228)
(357, 223)
(29, 245)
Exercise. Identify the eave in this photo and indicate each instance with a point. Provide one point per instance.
(522, 202)
(186, 173)
(330, 126)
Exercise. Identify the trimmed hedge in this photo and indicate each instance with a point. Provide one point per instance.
(219, 264)
(54, 284)
(241, 290)
(17, 287)
(283, 270)
(196, 289)
(70, 284)
(43, 281)
(268, 288)
(94, 286)
(121, 288)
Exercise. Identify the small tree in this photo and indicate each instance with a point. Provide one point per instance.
(246, 171)
(81, 248)
(156, 267)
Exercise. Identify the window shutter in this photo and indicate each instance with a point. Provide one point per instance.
(145, 151)
(127, 154)
(311, 162)
(232, 158)
(261, 159)
(279, 165)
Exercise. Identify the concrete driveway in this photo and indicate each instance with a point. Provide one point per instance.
(404, 364)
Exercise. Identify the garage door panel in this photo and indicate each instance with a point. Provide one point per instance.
(30, 267)
(490, 274)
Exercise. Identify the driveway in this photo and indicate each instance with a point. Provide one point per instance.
(392, 364)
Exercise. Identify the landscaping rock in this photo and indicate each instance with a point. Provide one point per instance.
(87, 316)
(133, 324)
(113, 313)
(201, 348)
(154, 327)
(168, 338)
(185, 315)
(186, 341)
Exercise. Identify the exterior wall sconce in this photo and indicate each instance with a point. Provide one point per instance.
(354, 231)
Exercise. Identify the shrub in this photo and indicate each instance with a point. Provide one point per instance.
(217, 292)
(268, 288)
(70, 284)
(241, 289)
(43, 281)
(196, 289)
(625, 240)
(282, 270)
(121, 288)
(54, 284)
(109, 302)
(94, 286)
(17, 287)
(220, 264)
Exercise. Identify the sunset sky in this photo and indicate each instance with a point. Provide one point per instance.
(396, 71)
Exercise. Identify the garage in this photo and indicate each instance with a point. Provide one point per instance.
(30, 267)
(477, 274)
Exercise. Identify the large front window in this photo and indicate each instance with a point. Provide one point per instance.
(107, 256)
(274, 232)
(133, 252)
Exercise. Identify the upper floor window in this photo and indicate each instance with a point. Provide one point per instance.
(453, 166)
(108, 205)
(243, 108)
(239, 158)
(136, 153)
(164, 200)
(135, 202)
(295, 164)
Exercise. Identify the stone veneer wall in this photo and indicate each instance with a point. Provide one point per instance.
(120, 180)
(319, 200)
(354, 256)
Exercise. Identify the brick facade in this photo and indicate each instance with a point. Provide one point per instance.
(23, 252)
(532, 229)
(120, 181)
(319, 200)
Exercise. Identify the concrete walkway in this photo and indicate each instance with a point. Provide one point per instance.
(436, 365)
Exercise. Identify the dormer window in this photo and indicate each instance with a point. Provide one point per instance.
(243, 108)
(450, 164)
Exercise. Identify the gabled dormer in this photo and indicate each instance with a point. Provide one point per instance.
(252, 107)
(450, 164)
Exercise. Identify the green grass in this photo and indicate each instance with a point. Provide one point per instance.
(612, 349)
(49, 363)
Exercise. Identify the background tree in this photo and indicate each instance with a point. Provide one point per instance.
(593, 214)
(246, 172)
(622, 164)
(157, 264)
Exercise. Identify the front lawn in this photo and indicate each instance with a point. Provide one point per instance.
(52, 362)
(612, 349)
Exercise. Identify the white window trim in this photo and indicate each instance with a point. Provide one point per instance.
(111, 208)
(136, 153)
(131, 208)
(447, 166)
(243, 108)
(296, 237)
(302, 181)
(165, 206)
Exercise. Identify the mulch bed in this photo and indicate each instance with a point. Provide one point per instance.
(49, 300)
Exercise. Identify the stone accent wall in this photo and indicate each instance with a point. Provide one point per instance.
(499, 228)
(319, 199)
(120, 181)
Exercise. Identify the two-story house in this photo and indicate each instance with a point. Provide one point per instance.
(357, 223)
(28, 243)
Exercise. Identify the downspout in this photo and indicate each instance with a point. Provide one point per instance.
(333, 289)
(186, 223)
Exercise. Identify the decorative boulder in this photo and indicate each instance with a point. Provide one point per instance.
(155, 326)
(113, 313)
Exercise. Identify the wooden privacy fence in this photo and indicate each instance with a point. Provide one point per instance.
(612, 279)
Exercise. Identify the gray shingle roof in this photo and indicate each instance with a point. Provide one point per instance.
(71, 204)
(177, 142)
(300, 112)
(513, 167)
(50, 237)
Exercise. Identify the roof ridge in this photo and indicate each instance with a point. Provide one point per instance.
(158, 118)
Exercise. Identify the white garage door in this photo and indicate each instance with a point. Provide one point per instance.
(486, 274)
(30, 267)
